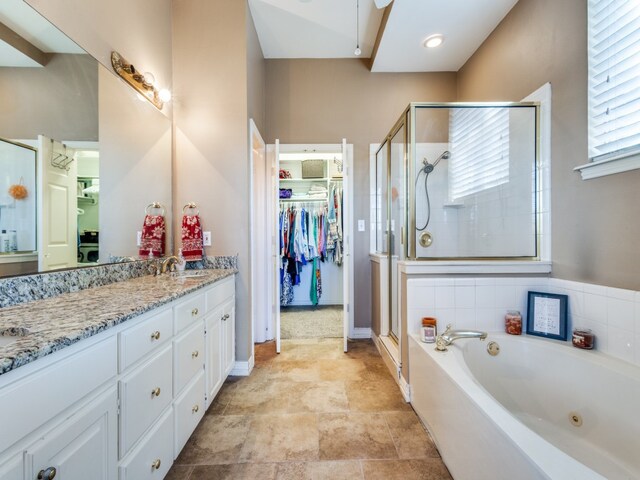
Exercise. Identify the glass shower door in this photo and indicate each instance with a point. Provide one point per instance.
(397, 213)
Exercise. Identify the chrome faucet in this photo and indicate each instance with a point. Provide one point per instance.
(170, 263)
(449, 336)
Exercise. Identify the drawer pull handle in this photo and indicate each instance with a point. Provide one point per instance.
(156, 464)
(195, 409)
(195, 354)
(48, 474)
(194, 312)
(155, 335)
(155, 392)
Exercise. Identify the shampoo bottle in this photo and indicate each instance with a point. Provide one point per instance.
(181, 261)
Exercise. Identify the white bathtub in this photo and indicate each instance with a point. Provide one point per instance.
(508, 416)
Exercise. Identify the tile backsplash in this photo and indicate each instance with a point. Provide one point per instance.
(613, 314)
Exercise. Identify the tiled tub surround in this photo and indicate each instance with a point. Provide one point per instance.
(481, 302)
(28, 288)
(54, 323)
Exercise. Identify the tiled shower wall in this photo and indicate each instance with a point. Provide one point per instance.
(481, 302)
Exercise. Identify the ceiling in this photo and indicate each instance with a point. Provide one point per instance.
(32, 27)
(327, 29)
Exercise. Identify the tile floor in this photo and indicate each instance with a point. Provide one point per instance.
(311, 412)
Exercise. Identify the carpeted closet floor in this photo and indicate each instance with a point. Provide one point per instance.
(311, 322)
(311, 412)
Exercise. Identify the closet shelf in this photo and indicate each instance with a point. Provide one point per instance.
(295, 180)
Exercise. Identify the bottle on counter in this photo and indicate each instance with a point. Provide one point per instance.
(5, 243)
(181, 261)
(513, 322)
(583, 338)
(429, 330)
(13, 241)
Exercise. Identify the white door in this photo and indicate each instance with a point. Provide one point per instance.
(58, 204)
(346, 264)
(275, 241)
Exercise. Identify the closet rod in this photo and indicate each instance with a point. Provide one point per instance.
(296, 200)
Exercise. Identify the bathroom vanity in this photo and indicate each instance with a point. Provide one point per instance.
(110, 382)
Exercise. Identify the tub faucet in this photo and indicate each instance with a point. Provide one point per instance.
(449, 336)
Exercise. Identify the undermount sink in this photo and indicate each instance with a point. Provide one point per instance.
(189, 274)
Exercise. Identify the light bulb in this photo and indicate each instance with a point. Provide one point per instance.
(149, 78)
(164, 95)
(434, 41)
(357, 52)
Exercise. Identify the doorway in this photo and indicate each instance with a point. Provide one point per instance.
(310, 280)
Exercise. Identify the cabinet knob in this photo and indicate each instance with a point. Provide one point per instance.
(155, 335)
(225, 317)
(156, 464)
(194, 312)
(195, 409)
(48, 474)
(155, 392)
(195, 354)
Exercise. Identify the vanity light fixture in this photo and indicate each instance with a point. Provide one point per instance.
(143, 83)
(433, 41)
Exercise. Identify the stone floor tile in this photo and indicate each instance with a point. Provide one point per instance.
(331, 470)
(240, 471)
(409, 436)
(425, 469)
(179, 472)
(375, 396)
(278, 438)
(354, 436)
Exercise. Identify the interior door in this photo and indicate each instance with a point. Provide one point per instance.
(275, 241)
(57, 209)
(347, 228)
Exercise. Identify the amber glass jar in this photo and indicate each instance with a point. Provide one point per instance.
(583, 338)
(513, 322)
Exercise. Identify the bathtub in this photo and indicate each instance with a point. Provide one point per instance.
(538, 409)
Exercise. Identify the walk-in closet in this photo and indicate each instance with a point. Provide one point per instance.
(311, 227)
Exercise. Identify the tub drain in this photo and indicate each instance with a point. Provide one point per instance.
(493, 348)
(575, 418)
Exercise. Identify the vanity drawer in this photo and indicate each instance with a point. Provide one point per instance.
(220, 292)
(144, 394)
(188, 353)
(189, 410)
(189, 311)
(152, 459)
(138, 341)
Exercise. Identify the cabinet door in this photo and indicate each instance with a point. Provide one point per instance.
(13, 468)
(229, 334)
(214, 349)
(82, 447)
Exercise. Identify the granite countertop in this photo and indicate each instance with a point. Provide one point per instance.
(49, 325)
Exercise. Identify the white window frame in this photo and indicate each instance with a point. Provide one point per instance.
(610, 31)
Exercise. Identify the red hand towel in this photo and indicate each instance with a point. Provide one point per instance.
(153, 232)
(191, 238)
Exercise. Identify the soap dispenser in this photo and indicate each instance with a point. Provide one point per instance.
(181, 263)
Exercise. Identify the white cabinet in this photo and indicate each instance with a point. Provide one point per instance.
(82, 446)
(214, 347)
(121, 404)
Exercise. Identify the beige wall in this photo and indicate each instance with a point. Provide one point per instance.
(595, 226)
(323, 101)
(135, 165)
(139, 30)
(211, 133)
(59, 100)
(256, 76)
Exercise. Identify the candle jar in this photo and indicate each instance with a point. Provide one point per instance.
(583, 338)
(513, 322)
(429, 330)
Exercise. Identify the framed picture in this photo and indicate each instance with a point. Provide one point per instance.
(547, 315)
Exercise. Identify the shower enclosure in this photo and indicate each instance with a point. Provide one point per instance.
(457, 181)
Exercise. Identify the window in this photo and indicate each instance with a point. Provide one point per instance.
(614, 79)
(479, 150)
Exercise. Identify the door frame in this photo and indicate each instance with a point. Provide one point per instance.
(273, 150)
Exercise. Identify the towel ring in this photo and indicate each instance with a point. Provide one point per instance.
(152, 206)
(191, 206)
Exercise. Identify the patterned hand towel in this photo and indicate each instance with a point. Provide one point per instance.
(153, 232)
(191, 238)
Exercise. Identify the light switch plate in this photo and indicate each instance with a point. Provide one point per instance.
(139, 239)
(361, 225)
(206, 239)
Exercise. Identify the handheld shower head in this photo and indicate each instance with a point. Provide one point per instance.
(445, 156)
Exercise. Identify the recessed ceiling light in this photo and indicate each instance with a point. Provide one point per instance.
(433, 41)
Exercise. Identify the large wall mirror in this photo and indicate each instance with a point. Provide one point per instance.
(82, 155)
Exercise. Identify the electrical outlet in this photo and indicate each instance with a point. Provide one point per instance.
(361, 225)
(139, 239)
(206, 239)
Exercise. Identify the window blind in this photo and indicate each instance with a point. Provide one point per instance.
(479, 140)
(614, 78)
